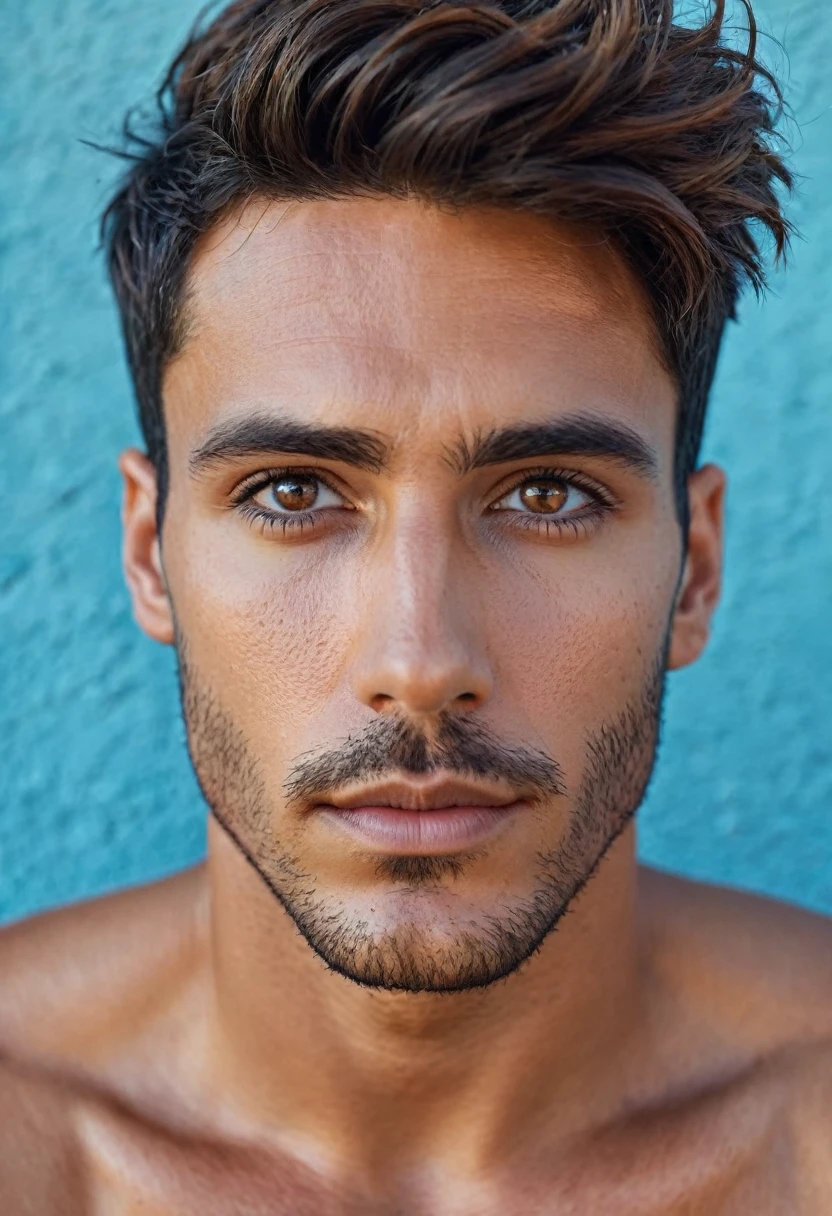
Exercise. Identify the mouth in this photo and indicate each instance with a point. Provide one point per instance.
(422, 817)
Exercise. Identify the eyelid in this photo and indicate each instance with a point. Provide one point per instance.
(575, 477)
(603, 498)
(251, 485)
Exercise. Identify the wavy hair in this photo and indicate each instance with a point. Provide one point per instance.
(596, 111)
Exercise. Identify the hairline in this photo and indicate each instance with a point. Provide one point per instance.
(185, 327)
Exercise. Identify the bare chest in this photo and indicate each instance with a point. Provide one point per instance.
(726, 1155)
(649, 1175)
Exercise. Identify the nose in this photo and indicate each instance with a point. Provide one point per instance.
(421, 651)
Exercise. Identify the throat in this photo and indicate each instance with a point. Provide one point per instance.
(379, 1076)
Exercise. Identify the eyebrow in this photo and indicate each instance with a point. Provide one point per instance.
(261, 434)
(575, 435)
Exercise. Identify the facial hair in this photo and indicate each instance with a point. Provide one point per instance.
(620, 756)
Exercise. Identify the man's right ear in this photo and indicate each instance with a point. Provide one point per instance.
(141, 550)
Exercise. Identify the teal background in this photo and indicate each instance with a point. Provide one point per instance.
(95, 788)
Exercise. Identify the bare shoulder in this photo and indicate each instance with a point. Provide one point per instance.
(99, 1010)
(760, 968)
(41, 1170)
(745, 985)
(76, 983)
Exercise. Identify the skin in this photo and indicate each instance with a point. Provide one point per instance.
(181, 1048)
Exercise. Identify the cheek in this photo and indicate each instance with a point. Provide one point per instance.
(264, 628)
(574, 640)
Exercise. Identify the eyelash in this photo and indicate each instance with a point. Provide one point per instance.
(268, 520)
(603, 502)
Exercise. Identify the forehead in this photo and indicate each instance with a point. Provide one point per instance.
(401, 316)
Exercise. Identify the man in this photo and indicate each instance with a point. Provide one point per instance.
(422, 304)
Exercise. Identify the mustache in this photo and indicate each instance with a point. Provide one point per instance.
(458, 745)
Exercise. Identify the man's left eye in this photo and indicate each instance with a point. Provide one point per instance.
(544, 496)
(292, 494)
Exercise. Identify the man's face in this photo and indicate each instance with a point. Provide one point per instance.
(423, 560)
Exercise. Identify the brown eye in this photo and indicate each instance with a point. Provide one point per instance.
(295, 493)
(543, 497)
(298, 494)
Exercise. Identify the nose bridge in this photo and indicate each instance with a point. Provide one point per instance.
(421, 649)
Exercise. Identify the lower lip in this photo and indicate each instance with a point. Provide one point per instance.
(421, 833)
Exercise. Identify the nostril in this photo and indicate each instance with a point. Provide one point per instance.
(467, 696)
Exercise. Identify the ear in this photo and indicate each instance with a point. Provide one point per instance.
(701, 580)
(141, 551)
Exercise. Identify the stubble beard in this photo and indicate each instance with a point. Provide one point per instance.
(620, 759)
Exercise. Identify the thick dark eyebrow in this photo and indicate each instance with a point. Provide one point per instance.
(575, 435)
(273, 434)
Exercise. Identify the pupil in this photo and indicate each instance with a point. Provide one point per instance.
(544, 497)
(295, 493)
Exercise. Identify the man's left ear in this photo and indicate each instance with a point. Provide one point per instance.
(701, 581)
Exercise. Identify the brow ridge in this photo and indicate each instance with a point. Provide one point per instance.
(260, 433)
(574, 435)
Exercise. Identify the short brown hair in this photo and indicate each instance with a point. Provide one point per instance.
(600, 111)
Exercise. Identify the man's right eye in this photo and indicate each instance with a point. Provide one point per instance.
(296, 493)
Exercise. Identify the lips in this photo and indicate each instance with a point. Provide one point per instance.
(427, 817)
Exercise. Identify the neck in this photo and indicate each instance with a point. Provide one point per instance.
(347, 1074)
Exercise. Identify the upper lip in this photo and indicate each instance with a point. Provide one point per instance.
(431, 794)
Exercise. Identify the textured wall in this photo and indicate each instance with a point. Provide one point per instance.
(95, 789)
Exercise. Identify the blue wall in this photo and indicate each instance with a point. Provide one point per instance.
(95, 788)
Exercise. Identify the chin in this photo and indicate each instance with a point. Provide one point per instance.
(424, 938)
